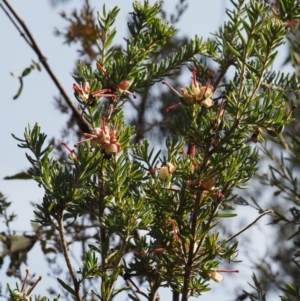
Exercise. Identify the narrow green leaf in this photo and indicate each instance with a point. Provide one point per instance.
(290, 288)
(26, 72)
(20, 89)
(234, 51)
(133, 298)
(271, 60)
(19, 176)
(226, 215)
(66, 287)
(18, 93)
(294, 234)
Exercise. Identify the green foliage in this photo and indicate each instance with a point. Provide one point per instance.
(177, 198)
(259, 294)
(293, 292)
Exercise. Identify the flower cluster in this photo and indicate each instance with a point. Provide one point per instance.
(103, 137)
(194, 93)
(122, 87)
(84, 92)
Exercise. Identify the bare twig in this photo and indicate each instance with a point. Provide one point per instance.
(16, 25)
(250, 225)
(60, 221)
(82, 123)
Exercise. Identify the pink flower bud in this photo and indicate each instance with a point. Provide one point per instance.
(77, 89)
(98, 132)
(124, 84)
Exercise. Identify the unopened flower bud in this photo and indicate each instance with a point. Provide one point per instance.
(207, 103)
(163, 173)
(86, 87)
(124, 84)
(166, 171)
(209, 184)
(111, 149)
(195, 89)
(206, 91)
(215, 276)
(171, 167)
(143, 253)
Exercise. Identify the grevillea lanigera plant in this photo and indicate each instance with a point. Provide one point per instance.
(152, 211)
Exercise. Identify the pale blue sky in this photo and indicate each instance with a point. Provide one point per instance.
(36, 105)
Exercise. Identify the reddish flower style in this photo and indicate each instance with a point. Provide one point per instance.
(104, 137)
(72, 155)
(196, 93)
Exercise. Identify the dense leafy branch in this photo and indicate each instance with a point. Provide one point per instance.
(176, 195)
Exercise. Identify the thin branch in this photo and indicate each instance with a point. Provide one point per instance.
(82, 123)
(60, 221)
(16, 25)
(175, 296)
(250, 225)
